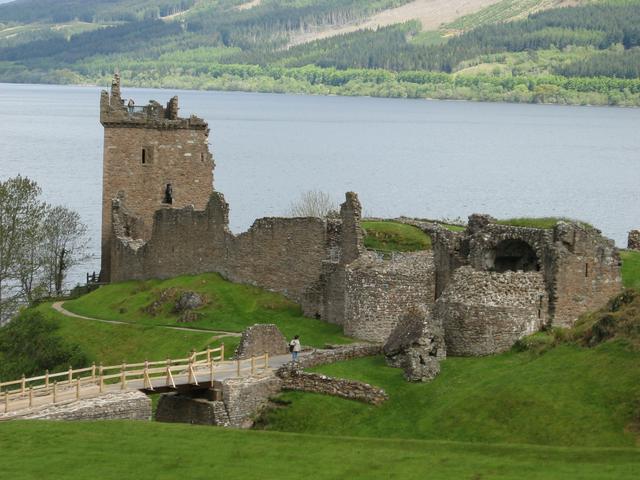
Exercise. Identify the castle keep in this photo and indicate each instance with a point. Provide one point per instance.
(483, 288)
(152, 159)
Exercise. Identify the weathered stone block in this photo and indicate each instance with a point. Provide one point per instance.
(260, 339)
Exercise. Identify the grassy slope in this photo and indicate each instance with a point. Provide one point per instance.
(165, 451)
(568, 396)
(231, 307)
(111, 344)
(394, 237)
(631, 269)
(538, 222)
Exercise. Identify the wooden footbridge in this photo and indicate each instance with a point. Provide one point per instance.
(198, 370)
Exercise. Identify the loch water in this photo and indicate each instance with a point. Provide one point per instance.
(430, 159)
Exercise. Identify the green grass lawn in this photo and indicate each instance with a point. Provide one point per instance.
(231, 307)
(127, 450)
(630, 269)
(113, 344)
(570, 396)
(387, 236)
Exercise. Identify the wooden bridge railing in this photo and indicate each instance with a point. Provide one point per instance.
(75, 384)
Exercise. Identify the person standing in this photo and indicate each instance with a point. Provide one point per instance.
(131, 104)
(294, 348)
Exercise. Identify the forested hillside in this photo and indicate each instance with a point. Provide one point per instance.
(512, 50)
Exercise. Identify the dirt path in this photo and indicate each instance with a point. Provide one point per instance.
(431, 13)
(57, 306)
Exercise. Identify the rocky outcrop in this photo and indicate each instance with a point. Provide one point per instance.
(416, 345)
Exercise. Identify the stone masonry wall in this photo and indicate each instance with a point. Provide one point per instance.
(281, 254)
(379, 292)
(339, 353)
(143, 153)
(244, 397)
(633, 242)
(130, 405)
(487, 312)
(296, 379)
(259, 339)
(586, 272)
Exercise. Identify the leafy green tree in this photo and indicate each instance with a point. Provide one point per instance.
(29, 345)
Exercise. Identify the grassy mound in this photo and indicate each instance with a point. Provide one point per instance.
(168, 451)
(571, 396)
(539, 222)
(395, 237)
(229, 307)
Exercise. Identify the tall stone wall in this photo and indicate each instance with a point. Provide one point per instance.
(281, 254)
(289, 255)
(145, 151)
(586, 272)
(379, 292)
(487, 312)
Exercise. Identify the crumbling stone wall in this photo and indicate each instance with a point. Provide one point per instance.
(586, 272)
(379, 292)
(293, 378)
(128, 405)
(633, 242)
(280, 254)
(487, 312)
(144, 151)
(339, 353)
(259, 339)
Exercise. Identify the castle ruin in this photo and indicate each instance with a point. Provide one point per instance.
(484, 287)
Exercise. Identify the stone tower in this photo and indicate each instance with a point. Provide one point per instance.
(153, 159)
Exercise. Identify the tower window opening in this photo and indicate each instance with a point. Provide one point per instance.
(144, 156)
(586, 269)
(168, 194)
(202, 157)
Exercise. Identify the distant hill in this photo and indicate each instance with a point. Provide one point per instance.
(551, 51)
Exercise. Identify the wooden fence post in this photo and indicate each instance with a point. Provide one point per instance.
(46, 378)
(101, 380)
(78, 388)
(222, 352)
(93, 371)
(168, 371)
(208, 353)
(123, 376)
(23, 385)
(211, 373)
(70, 374)
(6, 401)
(30, 397)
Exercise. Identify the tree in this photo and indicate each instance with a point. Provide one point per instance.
(38, 245)
(30, 344)
(21, 211)
(313, 203)
(64, 245)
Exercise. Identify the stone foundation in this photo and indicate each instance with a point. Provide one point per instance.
(241, 399)
(113, 406)
(296, 379)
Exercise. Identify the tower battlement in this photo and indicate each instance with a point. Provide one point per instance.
(115, 111)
